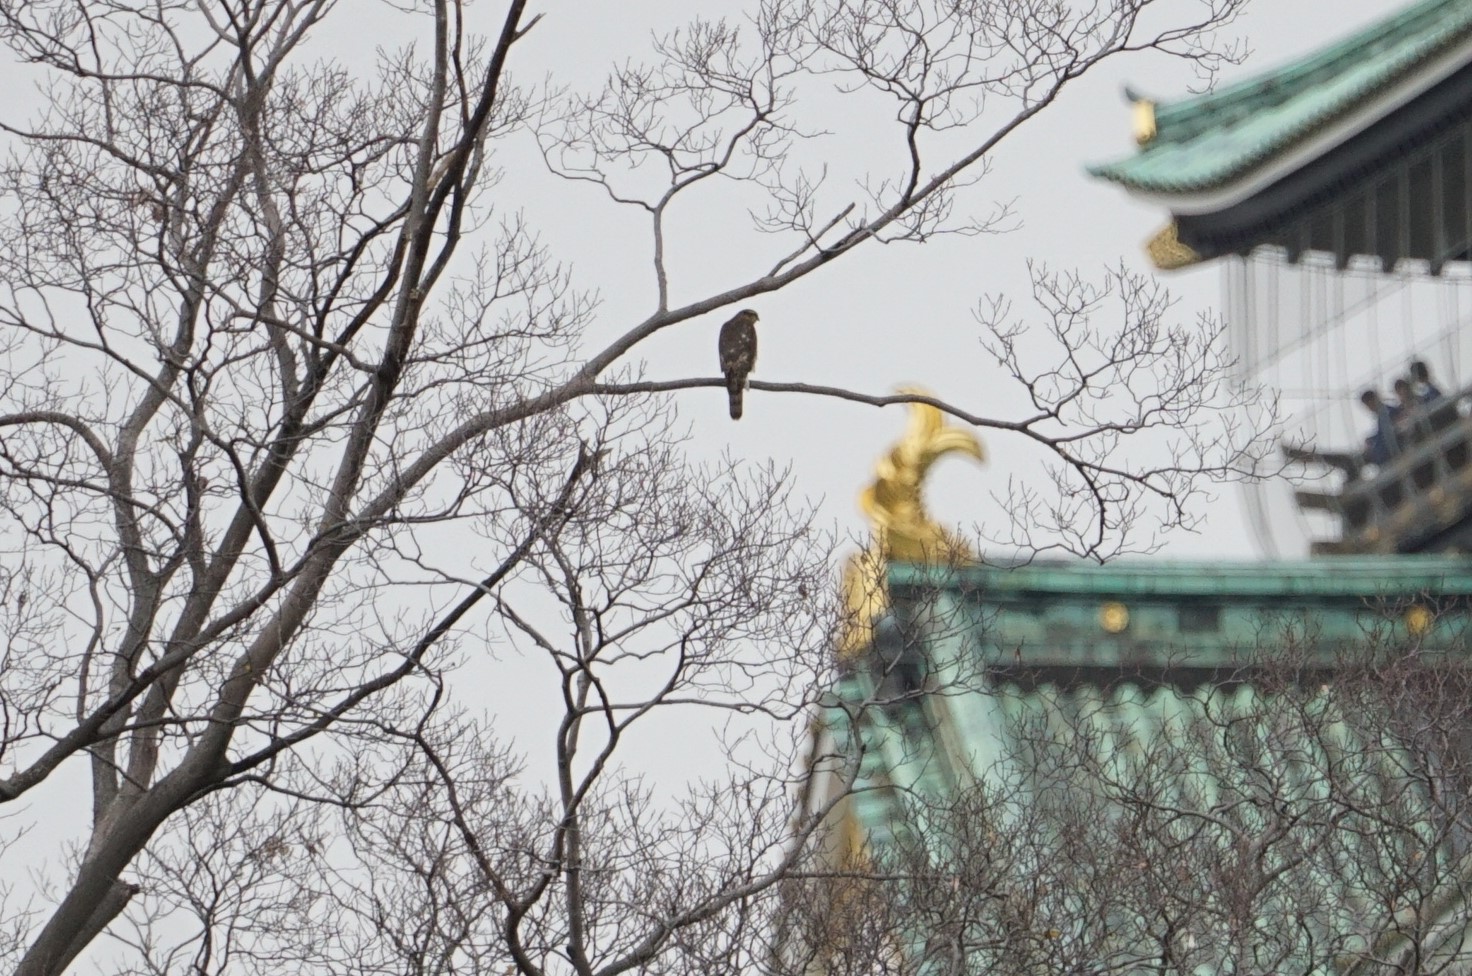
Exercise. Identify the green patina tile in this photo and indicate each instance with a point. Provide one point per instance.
(1207, 141)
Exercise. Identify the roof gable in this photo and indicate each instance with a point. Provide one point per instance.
(1228, 136)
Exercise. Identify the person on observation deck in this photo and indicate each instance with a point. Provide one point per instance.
(1426, 391)
(1406, 401)
(1409, 412)
(1382, 444)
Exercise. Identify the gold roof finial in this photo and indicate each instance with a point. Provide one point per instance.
(1144, 112)
(903, 530)
(902, 527)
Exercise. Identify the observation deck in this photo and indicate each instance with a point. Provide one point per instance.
(1418, 502)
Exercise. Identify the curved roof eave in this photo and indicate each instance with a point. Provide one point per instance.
(1199, 199)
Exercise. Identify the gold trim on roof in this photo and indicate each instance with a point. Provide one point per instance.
(1144, 120)
(902, 529)
(1419, 620)
(1114, 617)
(1167, 251)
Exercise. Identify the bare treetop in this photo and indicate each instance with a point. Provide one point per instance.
(299, 415)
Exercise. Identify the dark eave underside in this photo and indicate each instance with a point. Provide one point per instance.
(1400, 190)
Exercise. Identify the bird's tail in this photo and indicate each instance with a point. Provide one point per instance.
(734, 388)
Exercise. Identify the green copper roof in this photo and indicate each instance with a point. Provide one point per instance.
(1208, 141)
(1001, 712)
(1206, 615)
(1363, 576)
(1202, 776)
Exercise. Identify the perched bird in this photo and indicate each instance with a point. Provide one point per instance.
(738, 355)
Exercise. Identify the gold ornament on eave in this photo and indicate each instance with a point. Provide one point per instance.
(1167, 252)
(903, 530)
(1144, 121)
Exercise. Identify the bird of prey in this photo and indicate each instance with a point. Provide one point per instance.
(738, 355)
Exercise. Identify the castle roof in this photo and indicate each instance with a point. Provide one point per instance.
(1269, 159)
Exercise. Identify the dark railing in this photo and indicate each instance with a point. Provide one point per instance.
(1416, 502)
